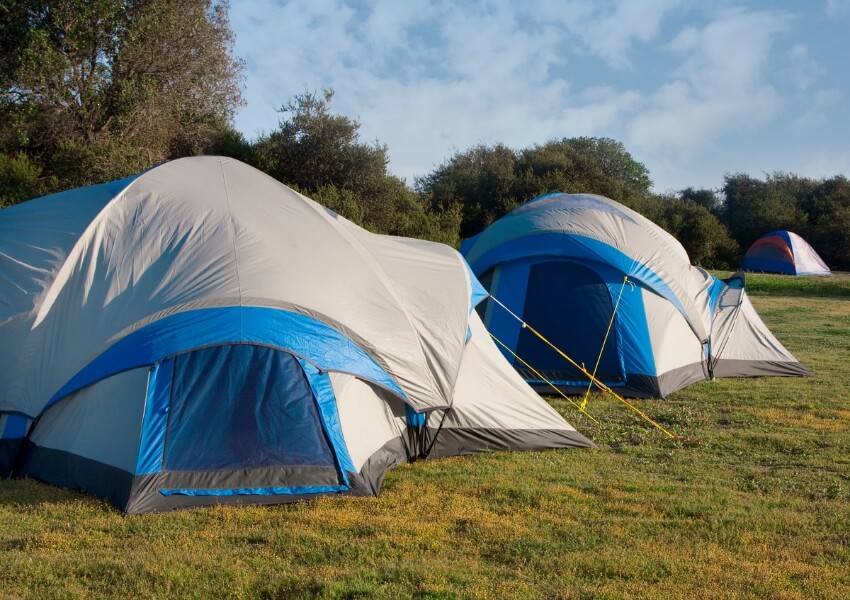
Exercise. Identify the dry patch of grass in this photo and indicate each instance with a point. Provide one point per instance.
(833, 421)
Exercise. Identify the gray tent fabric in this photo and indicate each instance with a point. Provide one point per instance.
(202, 309)
(570, 264)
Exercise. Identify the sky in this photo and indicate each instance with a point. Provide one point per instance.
(694, 90)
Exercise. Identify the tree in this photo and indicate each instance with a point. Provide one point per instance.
(704, 237)
(831, 238)
(20, 179)
(487, 182)
(706, 198)
(818, 198)
(752, 208)
(479, 183)
(828, 207)
(587, 165)
(98, 89)
(313, 147)
(319, 153)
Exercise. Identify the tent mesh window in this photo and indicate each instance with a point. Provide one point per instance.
(242, 407)
(571, 306)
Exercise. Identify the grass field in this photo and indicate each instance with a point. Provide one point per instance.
(752, 500)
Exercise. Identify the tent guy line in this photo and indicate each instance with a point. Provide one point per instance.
(590, 376)
(607, 333)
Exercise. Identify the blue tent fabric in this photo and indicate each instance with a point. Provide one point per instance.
(233, 419)
(565, 287)
(241, 406)
(557, 291)
(570, 246)
(251, 407)
(13, 426)
(238, 388)
(158, 398)
(300, 334)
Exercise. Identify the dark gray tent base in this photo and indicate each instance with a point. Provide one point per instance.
(647, 386)
(750, 368)
(146, 497)
(368, 481)
(67, 470)
(141, 494)
(457, 441)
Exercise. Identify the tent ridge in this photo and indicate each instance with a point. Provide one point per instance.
(60, 279)
(384, 278)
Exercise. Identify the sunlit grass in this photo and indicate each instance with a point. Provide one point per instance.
(751, 500)
(837, 284)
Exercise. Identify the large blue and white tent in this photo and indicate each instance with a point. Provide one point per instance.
(202, 334)
(560, 263)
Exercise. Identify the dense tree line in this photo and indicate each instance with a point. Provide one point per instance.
(95, 90)
(818, 210)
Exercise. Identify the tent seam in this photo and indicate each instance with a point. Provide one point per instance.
(232, 228)
(384, 278)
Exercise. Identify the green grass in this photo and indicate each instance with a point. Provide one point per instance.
(751, 500)
(837, 284)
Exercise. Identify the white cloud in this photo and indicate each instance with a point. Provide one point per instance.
(818, 107)
(287, 47)
(612, 36)
(385, 27)
(481, 46)
(835, 8)
(441, 75)
(720, 87)
(804, 70)
(730, 51)
(607, 29)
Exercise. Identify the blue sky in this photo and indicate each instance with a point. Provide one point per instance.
(693, 89)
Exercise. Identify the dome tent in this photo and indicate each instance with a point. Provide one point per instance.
(201, 334)
(559, 262)
(784, 252)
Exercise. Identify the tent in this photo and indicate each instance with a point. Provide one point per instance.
(784, 252)
(569, 265)
(202, 334)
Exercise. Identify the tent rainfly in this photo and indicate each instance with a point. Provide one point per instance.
(201, 334)
(784, 252)
(573, 265)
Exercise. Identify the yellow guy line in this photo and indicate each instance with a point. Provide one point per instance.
(540, 375)
(593, 379)
(605, 339)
